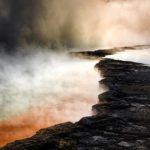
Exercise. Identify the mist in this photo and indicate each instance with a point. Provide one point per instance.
(140, 56)
(43, 77)
(41, 89)
(82, 24)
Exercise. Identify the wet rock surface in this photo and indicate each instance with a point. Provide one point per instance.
(122, 119)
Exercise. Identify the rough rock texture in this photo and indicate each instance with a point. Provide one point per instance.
(122, 121)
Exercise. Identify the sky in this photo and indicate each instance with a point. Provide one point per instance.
(40, 84)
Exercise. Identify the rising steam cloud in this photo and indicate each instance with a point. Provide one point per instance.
(41, 89)
(46, 78)
(79, 23)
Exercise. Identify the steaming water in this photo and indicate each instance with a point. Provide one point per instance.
(44, 88)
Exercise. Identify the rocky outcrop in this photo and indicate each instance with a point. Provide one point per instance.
(122, 119)
(104, 52)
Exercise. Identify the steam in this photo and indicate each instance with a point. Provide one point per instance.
(75, 24)
(44, 78)
(41, 89)
(141, 56)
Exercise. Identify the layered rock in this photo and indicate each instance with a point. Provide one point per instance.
(122, 119)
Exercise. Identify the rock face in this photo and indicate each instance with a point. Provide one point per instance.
(122, 121)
